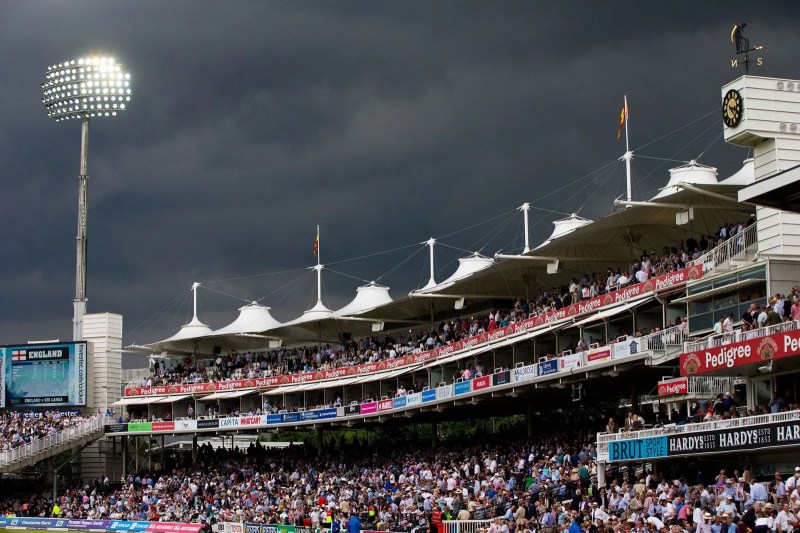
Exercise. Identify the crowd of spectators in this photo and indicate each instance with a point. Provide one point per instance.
(723, 407)
(18, 428)
(548, 485)
(394, 489)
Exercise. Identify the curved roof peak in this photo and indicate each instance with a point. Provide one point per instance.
(253, 318)
(367, 297)
(692, 173)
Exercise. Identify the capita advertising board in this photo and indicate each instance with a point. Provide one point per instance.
(44, 375)
(726, 356)
(755, 437)
(659, 283)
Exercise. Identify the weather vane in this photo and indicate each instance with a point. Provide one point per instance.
(743, 48)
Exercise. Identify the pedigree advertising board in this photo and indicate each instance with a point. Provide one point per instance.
(760, 350)
(659, 283)
(673, 387)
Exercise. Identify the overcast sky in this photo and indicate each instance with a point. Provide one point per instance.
(384, 122)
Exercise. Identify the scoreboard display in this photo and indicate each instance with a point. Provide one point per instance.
(43, 375)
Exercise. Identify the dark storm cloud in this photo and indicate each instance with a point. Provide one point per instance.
(384, 122)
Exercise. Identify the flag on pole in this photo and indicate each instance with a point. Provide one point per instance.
(622, 116)
(316, 243)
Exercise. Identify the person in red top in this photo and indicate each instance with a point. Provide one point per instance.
(436, 520)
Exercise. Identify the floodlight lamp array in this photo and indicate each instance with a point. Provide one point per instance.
(86, 87)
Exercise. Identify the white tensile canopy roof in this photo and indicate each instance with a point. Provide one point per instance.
(318, 312)
(186, 339)
(565, 226)
(583, 247)
(367, 297)
(692, 173)
(580, 246)
(253, 318)
(467, 266)
(745, 176)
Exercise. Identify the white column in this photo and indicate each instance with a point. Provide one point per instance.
(526, 207)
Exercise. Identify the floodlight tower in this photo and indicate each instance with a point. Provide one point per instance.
(82, 89)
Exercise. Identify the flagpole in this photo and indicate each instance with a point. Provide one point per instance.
(628, 155)
(319, 271)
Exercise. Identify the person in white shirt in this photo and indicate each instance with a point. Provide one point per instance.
(727, 507)
(791, 483)
(727, 325)
(784, 522)
(762, 317)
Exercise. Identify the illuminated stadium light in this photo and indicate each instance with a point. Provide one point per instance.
(84, 88)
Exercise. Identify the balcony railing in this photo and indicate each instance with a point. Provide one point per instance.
(739, 335)
(731, 423)
(732, 248)
(66, 435)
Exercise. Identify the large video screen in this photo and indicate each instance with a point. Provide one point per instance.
(44, 375)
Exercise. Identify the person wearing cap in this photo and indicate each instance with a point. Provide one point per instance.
(727, 506)
(763, 523)
(705, 525)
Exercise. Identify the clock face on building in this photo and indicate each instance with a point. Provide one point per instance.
(732, 108)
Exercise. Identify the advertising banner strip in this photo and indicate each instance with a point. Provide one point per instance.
(501, 378)
(659, 283)
(637, 449)
(758, 350)
(126, 525)
(352, 409)
(547, 367)
(735, 439)
(173, 527)
(673, 387)
(483, 382)
(462, 387)
(746, 438)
